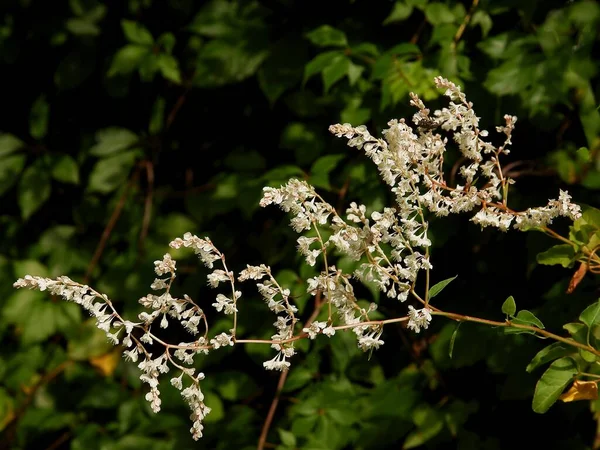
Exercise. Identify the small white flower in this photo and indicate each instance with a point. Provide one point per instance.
(418, 318)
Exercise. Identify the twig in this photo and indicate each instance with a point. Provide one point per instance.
(10, 428)
(147, 203)
(415, 38)
(464, 24)
(60, 441)
(112, 222)
(281, 383)
(178, 104)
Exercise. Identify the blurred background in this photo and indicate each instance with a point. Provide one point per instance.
(125, 124)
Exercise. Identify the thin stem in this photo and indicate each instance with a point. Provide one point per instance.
(509, 324)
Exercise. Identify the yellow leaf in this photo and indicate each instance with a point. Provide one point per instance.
(107, 363)
(581, 390)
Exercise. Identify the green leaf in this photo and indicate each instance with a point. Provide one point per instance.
(9, 144)
(562, 254)
(157, 117)
(65, 170)
(591, 315)
(169, 68)
(38, 118)
(578, 332)
(482, 19)
(335, 72)
(87, 342)
(136, 33)
(583, 155)
(320, 170)
(525, 317)
(167, 42)
(429, 424)
(400, 12)
(438, 287)
(82, 27)
(216, 406)
(128, 59)
(438, 13)
(326, 36)
(549, 353)
(509, 307)
(287, 438)
(453, 339)
(234, 386)
(10, 169)
(110, 173)
(113, 140)
(320, 62)
(552, 383)
(34, 190)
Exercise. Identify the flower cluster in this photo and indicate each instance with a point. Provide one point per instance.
(391, 246)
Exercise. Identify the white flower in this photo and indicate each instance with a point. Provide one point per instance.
(370, 341)
(166, 265)
(277, 363)
(221, 340)
(418, 318)
(176, 382)
(225, 304)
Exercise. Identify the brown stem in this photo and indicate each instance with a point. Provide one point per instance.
(112, 222)
(11, 427)
(147, 203)
(178, 104)
(281, 383)
(509, 324)
(464, 24)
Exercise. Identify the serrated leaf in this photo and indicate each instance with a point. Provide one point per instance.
(34, 190)
(509, 307)
(549, 353)
(113, 140)
(110, 173)
(136, 33)
(65, 170)
(9, 144)
(562, 254)
(327, 36)
(438, 287)
(552, 383)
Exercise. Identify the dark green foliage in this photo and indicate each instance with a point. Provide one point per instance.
(126, 124)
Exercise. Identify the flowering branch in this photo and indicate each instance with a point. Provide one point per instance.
(391, 246)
